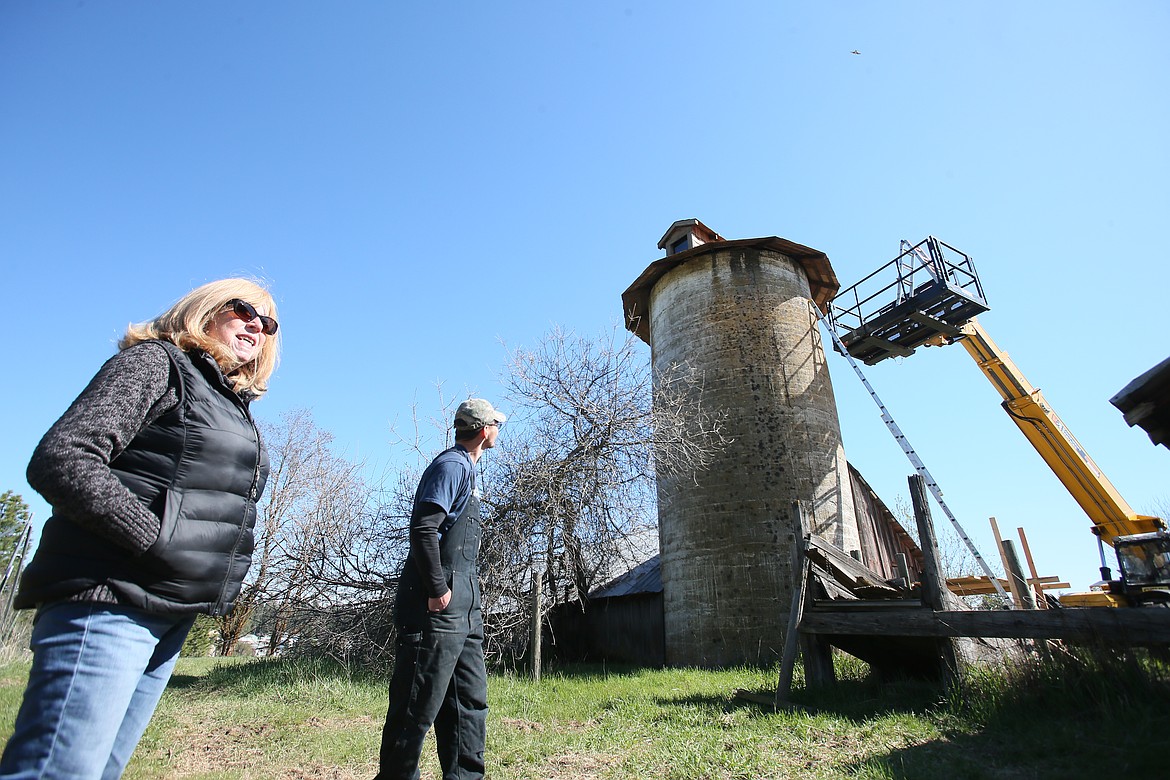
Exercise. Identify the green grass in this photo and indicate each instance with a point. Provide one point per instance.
(1067, 717)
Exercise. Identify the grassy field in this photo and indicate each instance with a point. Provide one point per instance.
(1064, 719)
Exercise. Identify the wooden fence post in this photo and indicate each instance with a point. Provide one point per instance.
(816, 653)
(537, 621)
(934, 581)
(1034, 581)
(1012, 583)
(800, 573)
(904, 570)
(1020, 587)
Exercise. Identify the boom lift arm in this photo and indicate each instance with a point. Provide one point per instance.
(930, 295)
(1110, 513)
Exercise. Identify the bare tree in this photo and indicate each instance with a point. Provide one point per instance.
(309, 517)
(572, 488)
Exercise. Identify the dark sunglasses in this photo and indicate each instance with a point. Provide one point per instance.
(247, 312)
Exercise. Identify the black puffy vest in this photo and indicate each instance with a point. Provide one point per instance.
(200, 468)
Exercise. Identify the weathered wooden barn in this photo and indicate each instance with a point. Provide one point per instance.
(622, 621)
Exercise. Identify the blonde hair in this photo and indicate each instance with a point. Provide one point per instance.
(187, 322)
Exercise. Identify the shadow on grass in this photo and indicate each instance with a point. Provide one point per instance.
(852, 699)
(1079, 713)
(591, 672)
(239, 673)
(1029, 733)
(246, 674)
(978, 756)
(184, 681)
(1062, 747)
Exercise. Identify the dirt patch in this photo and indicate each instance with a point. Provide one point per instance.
(208, 746)
(339, 724)
(322, 772)
(520, 724)
(581, 766)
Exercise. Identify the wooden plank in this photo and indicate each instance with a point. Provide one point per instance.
(1043, 602)
(973, 586)
(537, 626)
(1025, 598)
(972, 581)
(976, 586)
(833, 588)
(867, 605)
(851, 569)
(933, 579)
(878, 592)
(903, 564)
(1013, 585)
(801, 565)
(1120, 625)
(934, 589)
(816, 653)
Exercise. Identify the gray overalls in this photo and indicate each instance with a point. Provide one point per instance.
(439, 674)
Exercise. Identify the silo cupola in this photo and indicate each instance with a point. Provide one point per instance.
(687, 234)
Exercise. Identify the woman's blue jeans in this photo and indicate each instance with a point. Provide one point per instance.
(98, 673)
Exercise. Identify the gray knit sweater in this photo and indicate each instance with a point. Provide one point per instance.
(70, 466)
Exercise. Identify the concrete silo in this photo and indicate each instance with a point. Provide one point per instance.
(739, 312)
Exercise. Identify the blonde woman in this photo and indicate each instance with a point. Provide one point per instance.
(153, 474)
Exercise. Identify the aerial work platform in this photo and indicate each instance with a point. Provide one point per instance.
(931, 289)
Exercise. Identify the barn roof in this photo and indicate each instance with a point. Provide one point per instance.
(646, 577)
(1144, 403)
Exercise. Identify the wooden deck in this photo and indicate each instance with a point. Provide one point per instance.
(1121, 626)
(913, 630)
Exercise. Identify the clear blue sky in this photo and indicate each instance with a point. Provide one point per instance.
(422, 181)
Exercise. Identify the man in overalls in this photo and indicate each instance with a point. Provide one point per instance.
(439, 672)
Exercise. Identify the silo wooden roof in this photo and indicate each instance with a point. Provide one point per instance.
(822, 280)
(1144, 403)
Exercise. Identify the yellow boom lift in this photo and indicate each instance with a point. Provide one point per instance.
(930, 295)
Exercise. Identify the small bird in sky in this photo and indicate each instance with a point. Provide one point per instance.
(855, 51)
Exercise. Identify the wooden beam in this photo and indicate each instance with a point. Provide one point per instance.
(816, 653)
(933, 578)
(833, 589)
(1013, 585)
(1125, 625)
(903, 564)
(848, 570)
(1040, 600)
(1025, 598)
(801, 566)
(537, 626)
(972, 586)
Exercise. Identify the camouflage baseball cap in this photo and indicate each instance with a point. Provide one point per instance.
(476, 413)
